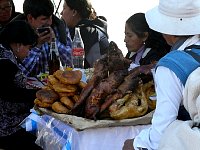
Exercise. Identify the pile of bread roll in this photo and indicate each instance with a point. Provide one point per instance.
(62, 91)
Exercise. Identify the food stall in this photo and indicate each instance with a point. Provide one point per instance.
(69, 115)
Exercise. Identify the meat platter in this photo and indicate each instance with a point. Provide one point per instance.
(80, 123)
(113, 96)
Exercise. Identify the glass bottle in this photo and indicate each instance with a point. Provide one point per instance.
(78, 53)
(54, 58)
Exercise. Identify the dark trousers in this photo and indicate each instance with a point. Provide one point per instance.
(21, 140)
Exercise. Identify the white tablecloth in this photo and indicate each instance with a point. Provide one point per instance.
(53, 134)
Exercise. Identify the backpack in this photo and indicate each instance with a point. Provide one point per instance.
(182, 66)
(194, 55)
(95, 39)
(185, 135)
(183, 113)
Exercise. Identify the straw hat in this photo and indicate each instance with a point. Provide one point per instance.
(175, 17)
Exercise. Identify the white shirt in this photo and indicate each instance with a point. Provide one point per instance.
(169, 90)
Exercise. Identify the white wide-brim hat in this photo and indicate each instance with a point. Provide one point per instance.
(175, 17)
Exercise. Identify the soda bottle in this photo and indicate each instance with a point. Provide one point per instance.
(78, 53)
(54, 58)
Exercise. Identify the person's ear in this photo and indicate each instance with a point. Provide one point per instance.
(30, 19)
(146, 34)
(19, 47)
(74, 12)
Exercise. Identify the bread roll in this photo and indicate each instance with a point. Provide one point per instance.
(58, 107)
(67, 102)
(47, 96)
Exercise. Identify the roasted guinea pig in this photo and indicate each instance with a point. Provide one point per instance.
(100, 72)
(112, 61)
(130, 106)
(130, 83)
(101, 91)
(115, 58)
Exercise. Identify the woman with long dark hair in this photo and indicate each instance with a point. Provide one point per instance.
(77, 13)
(144, 44)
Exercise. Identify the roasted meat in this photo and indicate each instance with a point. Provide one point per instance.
(100, 92)
(130, 83)
(107, 64)
(116, 60)
(125, 87)
(131, 105)
(100, 72)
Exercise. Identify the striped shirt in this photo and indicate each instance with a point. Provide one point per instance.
(37, 60)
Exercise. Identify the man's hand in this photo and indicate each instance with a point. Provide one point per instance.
(128, 145)
(45, 37)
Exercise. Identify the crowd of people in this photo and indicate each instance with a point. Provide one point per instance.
(161, 35)
(40, 14)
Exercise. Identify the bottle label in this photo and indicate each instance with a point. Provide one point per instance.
(54, 63)
(78, 52)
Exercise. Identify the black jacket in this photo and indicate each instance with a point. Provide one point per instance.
(95, 41)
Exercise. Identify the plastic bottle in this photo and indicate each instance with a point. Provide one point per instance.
(54, 58)
(78, 53)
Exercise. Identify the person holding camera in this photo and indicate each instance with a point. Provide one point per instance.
(39, 14)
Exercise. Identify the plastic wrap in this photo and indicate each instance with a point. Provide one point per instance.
(51, 134)
(54, 134)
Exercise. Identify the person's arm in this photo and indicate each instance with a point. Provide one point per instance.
(29, 63)
(35, 62)
(65, 50)
(8, 88)
(169, 96)
(103, 43)
(128, 145)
